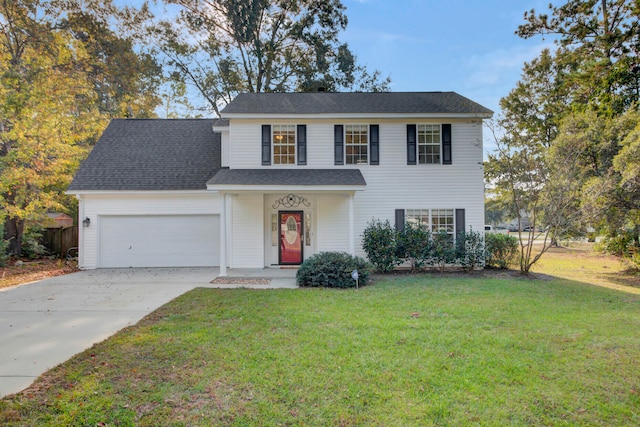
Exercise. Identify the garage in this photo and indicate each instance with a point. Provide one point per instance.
(159, 241)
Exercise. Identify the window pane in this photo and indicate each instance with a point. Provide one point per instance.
(284, 144)
(356, 144)
(428, 144)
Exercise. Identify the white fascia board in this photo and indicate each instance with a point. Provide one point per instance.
(285, 188)
(361, 116)
(220, 128)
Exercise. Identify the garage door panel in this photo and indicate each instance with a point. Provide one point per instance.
(159, 241)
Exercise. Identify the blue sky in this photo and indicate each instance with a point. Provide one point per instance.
(466, 46)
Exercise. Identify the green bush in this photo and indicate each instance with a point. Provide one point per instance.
(444, 251)
(470, 250)
(415, 245)
(31, 243)
(4, 256)
(501, 250)
(332, 270)
(379, 243)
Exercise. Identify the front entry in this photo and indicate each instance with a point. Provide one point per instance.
(290, 226)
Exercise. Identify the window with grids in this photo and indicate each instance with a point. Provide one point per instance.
(284, 144)
(428, 144)
(418, 217)
(356, 144)
(442, 220)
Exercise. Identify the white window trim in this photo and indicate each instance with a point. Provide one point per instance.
(418, 144)
(367, 144)
(273, 144)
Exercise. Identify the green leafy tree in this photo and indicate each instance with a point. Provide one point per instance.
(221, 48)
(598, 41)
(57, 92)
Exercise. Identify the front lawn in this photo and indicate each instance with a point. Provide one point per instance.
(429, 350)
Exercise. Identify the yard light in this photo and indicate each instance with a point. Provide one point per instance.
(86, 222)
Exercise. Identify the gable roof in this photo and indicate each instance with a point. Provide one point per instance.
(151, 154)
(325, 103)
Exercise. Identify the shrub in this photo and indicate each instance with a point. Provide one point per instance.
(379, 243)
(501, 250)
(415, 245)
(332, 270)
(31, 243)
(4, 246)
(444, 251)
(470, 251)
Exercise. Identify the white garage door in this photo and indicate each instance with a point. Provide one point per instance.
(159, 241)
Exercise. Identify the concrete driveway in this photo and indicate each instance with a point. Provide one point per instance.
(43, 324)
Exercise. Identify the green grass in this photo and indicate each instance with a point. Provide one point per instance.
(430, 350)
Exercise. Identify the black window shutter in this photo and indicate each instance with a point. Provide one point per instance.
(400, 220)
(338, 138)
(460, 225)
(446, 144)
(411, 144)
(302, 144)
(266, 145)
(374, 144)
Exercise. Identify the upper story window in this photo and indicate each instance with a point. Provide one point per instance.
(428, 144)
(356, 144)
(284, 144)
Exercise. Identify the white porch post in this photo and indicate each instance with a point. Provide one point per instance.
(352, 246)
(223, 237)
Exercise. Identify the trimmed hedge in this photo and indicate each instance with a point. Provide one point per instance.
(387, 248)
(501, 250)
(332, 270)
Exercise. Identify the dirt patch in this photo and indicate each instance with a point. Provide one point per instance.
(19, 272)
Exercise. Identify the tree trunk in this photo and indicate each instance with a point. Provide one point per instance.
(13, 228)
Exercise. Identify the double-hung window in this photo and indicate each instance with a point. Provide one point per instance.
(429, 144)
(356, 144)
(284, 144)
(418, 217)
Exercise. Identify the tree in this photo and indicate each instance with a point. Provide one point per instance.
(224, 47)
(599, 40)
(54, 80)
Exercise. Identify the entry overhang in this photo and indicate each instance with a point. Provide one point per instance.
(228, 180)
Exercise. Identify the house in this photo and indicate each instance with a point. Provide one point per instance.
(278, 178)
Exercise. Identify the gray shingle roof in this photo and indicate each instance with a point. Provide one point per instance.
(290, 177)
(345, 103)
(151, 154)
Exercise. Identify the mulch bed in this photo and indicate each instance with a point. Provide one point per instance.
(240, 281)
(17, 273)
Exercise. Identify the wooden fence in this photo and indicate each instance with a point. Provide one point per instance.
(59, 241)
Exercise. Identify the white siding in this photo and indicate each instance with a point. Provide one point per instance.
(391, 185)
(95, 206)
(333, 223)
(247, 231)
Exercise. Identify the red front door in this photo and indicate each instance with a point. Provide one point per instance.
(290, 229)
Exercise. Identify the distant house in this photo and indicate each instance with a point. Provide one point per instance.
(59, 220)
(278, 178)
